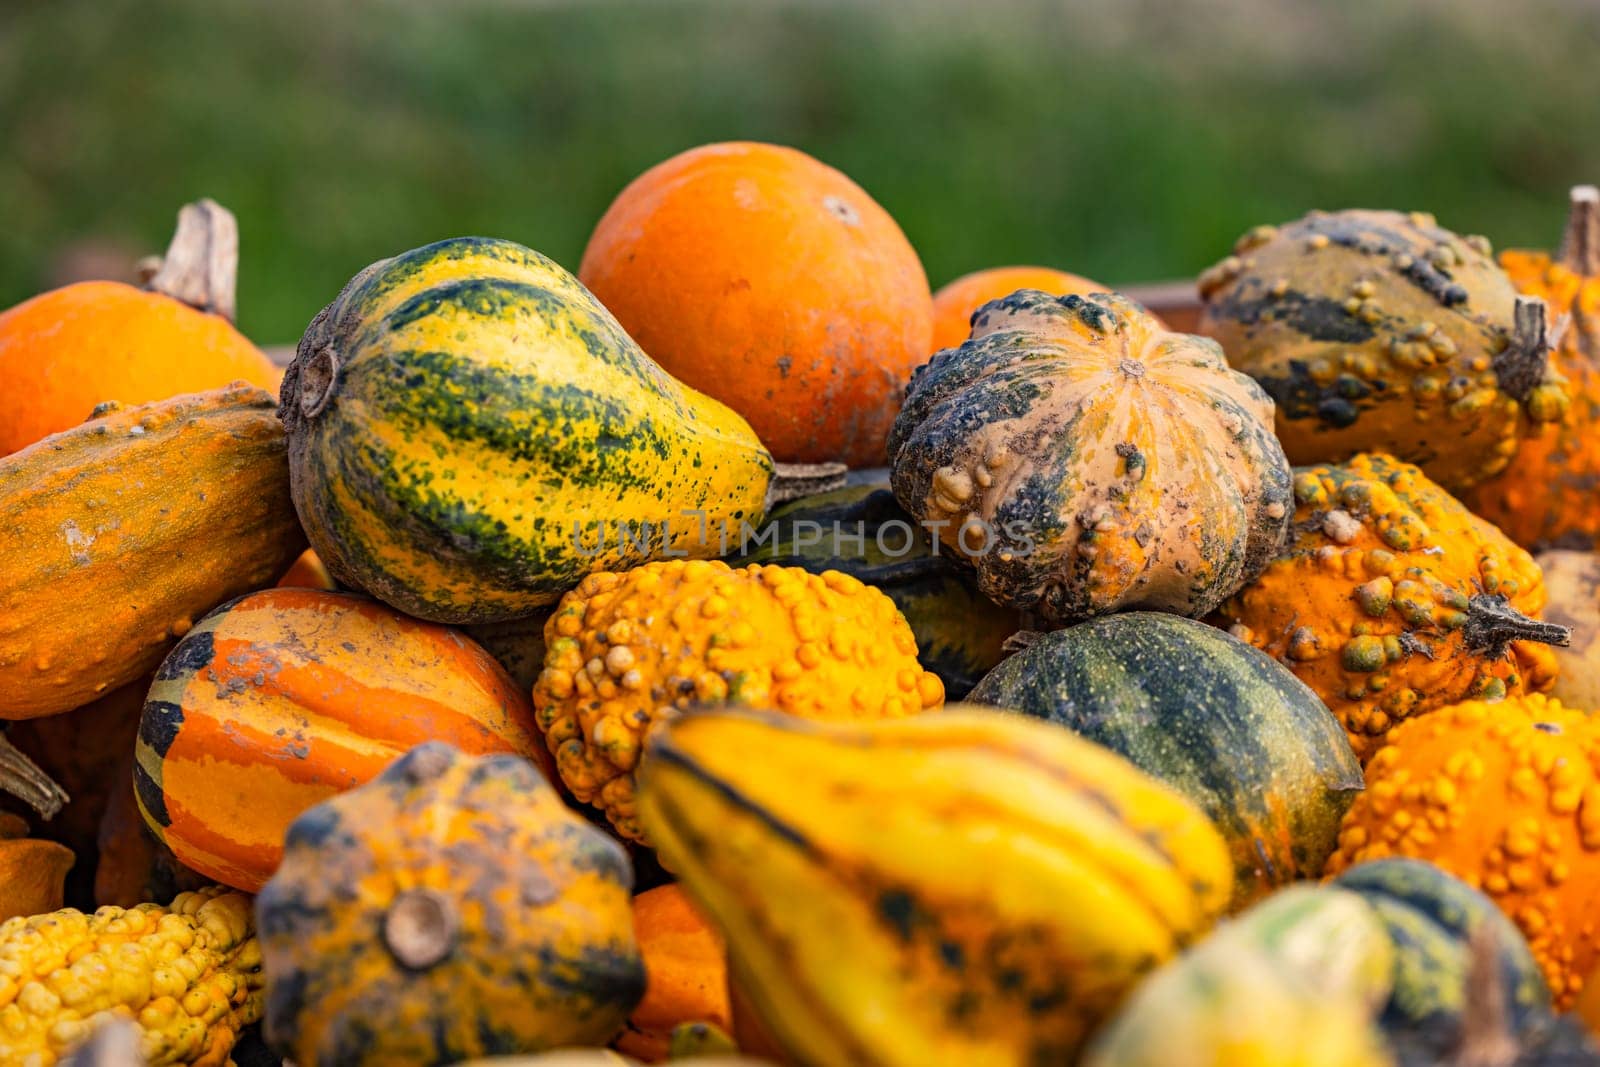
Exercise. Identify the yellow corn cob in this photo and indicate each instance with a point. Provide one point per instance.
(189, 975)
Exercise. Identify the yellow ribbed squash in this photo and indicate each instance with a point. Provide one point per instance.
(188, 974)
(966, 886)
(627, 651)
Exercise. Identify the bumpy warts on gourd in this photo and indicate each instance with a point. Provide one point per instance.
(1507, 797)
(1392, 599)
(1547, 496)
(188, 974)
(1382, 331)
(454, 907)
(627, 651)
(1088, 461)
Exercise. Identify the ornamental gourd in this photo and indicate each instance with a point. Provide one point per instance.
(1506, 796)
(1572, 581)
(626, 652)
(1217, 720)
(860, 531)
(470, 433)
(1377, 331)
(451, 908)
(123, 531)
(957, 301)
(1392, 599)
(961, 887)
(1432, 917)
(279, 700)
(67, 351)
(687, 974)
(33, 872)
(1087, 461)
(1546, 497)
(189, 974)
(1293, 981)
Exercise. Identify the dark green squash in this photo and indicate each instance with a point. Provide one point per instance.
(959, 631)
(1431, 915)
(1218, 720)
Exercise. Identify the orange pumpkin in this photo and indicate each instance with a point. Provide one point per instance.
(1505, 796)
(307, 572)
(65, 351)
(32, 872)
(773, 283)
(1546, 497)
(686, 969)
(954, 304)
(284, 698)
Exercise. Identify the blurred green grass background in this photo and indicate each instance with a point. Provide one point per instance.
(1129, 140)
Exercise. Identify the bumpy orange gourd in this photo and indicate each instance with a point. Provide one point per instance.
(284, 698)
(1505, 796)
(628, 651)
(1392, 599)
(686, 973)
(65, 351)
(954, 304)
(775, 284)
(1547, 497)
(32, 871)
(118, 534)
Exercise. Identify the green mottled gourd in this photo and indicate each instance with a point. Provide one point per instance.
(1088, 461)
(1384, 332)
(451, 908)
(470, 433)
(1217, 720)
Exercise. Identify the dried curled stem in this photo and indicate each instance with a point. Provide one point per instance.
(1579, 250)
(23, 779)
(201, 267)
(1492, 624)
(790, 481)
(1525, 361)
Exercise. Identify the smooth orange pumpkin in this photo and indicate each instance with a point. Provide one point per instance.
(686, 969)
(954, 304)
(775, 284)
(65, 351)
(32, 872)
(284, 698)
(1546, 497)
(307, 572)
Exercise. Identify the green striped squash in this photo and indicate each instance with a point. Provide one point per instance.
(1218, 720)
(470, 433)
(861, 531)
(1431, 916)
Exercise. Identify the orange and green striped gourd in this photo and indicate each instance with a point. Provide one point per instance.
(286, 697)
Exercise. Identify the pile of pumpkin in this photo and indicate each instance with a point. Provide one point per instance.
(608, 706)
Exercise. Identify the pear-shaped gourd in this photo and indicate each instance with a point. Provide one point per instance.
(471, 432)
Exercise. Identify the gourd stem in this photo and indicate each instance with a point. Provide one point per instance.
(790, 481)
(1579, 250)
(23, 779)
(1492, 624)
(201, 267)
(1486, 1039)
(1525, 361)
(420, 928)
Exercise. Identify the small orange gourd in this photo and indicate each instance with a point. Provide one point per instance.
(1546, 497)
(1506, 796)
(65, 351)
(955, 303)
(32, 872)
(686, 974)
(1392, 599)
